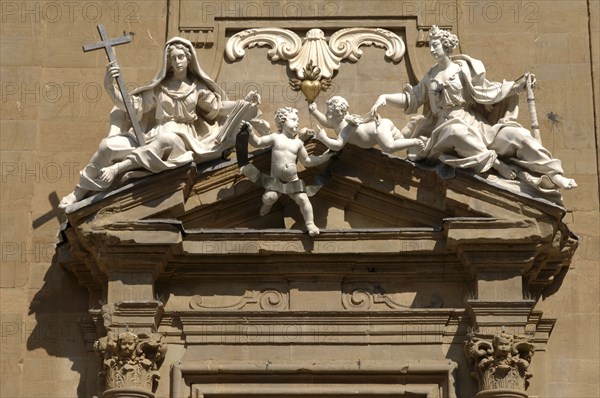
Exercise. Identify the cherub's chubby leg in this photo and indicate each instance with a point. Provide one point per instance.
(269, 198)
(307, 212)
(390, 139)
(518, 143)
(384, 133)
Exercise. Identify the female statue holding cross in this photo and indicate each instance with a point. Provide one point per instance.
(180, 112)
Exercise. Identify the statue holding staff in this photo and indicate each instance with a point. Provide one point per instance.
(469, 122)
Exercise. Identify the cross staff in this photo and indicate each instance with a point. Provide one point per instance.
(107, 44)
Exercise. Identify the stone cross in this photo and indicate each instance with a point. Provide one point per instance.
(107, 44)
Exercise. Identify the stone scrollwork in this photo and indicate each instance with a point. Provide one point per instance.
(365, 297)
(313, 58)
(199, 302)
(273, 299)
(346, 43)
(284, 43)
(501, 362)
(267, 299)
(130, 361)
(358, 299)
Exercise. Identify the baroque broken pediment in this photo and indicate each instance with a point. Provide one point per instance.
(373, 203)
(408, 254)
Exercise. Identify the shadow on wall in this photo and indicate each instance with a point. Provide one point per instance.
(466, 385)
(59, 307)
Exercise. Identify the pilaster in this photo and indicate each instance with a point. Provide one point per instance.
(498, 253)
(131, 257)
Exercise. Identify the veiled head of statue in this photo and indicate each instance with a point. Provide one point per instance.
(177, 47)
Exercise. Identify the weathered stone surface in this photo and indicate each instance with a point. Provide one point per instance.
(250, 302)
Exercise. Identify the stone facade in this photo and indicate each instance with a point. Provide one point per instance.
(418, 285)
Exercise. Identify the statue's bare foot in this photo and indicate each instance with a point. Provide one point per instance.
(265, 209)
(419, 146)
(73, 197)
(505, 170)
(67, 201)
(563, 182)
(312, 229)
(108, 174)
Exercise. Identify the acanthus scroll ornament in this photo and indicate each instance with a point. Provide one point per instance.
(314, 59)
(346, 43)
(284, 43)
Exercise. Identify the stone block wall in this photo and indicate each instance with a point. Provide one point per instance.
(54, 113)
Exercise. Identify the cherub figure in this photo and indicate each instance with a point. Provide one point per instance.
(507, 354)
(506, 358)
(359, 132)
(127, 345)
(287, 149)
(502, 353)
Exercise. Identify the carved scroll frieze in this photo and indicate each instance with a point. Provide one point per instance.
(266, 299)
(346, 43)
(286, 45)
(501, 361)
(313, 58)
(373, 296)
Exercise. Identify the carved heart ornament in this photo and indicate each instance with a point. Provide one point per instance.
(310, 89)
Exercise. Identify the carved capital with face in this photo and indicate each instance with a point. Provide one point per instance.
(500, 361)
(129, 360)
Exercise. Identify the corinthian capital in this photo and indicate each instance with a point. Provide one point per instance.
(130, 361)
(500, 362)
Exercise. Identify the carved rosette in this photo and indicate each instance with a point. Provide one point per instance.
(130, 363)
(500, 364)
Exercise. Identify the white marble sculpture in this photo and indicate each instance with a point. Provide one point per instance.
(354, 130)
(182, 112)
(314, 59)
(469, 122)
(327, 56)
(286, 150)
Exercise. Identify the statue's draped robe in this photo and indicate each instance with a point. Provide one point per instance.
(192, 113)
(463, 116)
